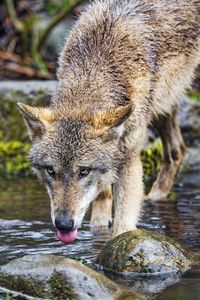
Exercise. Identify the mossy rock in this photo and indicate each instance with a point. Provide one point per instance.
(143, 252)
(54, 277)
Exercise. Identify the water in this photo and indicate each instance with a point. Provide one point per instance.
(25, 228)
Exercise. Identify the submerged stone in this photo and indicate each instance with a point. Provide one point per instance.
(54, 277)
(145, 253)
(186, 289)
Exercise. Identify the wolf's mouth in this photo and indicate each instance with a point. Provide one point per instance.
(67, 237)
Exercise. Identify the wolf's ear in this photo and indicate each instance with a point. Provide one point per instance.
(34, 119)
(112, 118)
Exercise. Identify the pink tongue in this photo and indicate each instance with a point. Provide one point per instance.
(67, 237)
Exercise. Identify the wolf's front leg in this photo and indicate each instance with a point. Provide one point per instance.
(102, 209)
(128, 195)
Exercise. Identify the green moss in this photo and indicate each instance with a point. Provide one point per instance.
(57, 287)
(54, 7)
(79, 259)
(194, 95)
(14, 159)
(23, 285)
(172, 196)
(152, 157)
(6, 297)
(60, 288)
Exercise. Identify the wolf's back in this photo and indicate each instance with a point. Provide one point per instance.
(114, 40)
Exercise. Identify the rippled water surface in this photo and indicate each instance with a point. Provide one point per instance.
(25, 228)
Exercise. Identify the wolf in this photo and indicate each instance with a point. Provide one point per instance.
(123, 68)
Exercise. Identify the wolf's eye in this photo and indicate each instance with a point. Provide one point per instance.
(84, 172)
(50, 171)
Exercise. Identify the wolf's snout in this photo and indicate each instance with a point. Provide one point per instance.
(66, 232)
(64, 223)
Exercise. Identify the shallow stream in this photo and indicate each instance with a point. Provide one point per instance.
(25, 228)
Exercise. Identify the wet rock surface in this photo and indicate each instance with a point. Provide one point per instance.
(144, 252)
(54, 277)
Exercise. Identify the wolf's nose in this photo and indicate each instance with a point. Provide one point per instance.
(64, 224)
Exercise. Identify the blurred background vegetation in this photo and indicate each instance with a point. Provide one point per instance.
(25, 27)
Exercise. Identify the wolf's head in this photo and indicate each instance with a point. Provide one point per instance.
(76, 154)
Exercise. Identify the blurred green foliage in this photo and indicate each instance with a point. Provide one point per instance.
(23, 37)
(14, 159)
(152, 158)
(55, 7)
(7, 297)
(194, 95)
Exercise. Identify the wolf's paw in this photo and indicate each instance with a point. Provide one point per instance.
(156, 194)
(98, 226)
(97, 221)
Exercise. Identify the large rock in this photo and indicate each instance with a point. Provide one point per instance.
(145, 253)
(54, 277)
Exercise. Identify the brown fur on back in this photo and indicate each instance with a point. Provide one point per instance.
(120, 50)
